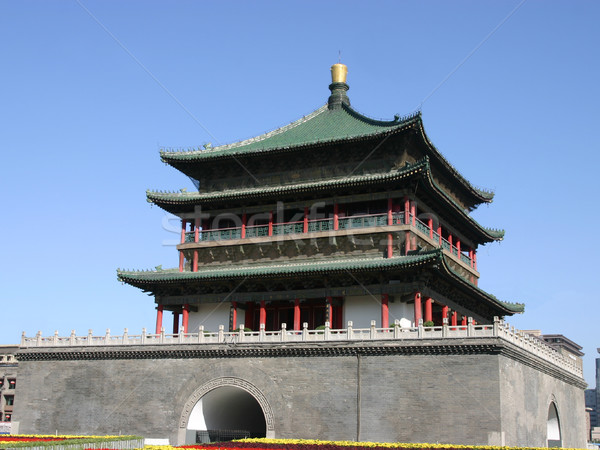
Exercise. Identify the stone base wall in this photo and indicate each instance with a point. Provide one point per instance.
(470, 392)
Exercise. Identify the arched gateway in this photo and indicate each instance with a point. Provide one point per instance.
(226, 403)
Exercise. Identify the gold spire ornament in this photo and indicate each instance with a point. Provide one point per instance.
(338, 73)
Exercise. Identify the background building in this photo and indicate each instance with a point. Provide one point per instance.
(8, 385)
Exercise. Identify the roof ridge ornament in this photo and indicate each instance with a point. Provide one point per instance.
(338, 87)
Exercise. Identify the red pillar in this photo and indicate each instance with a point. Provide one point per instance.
(183, 224)
(196, 229)
(244, 222)
(195, 261)
(390, 245)
(413, 212)
(249, 316)
(186, 316)
(297, 314)
(262, 317)
(270, 223)
(430, 225)
(464, 320)
(305, 228)
(454, 318)
(444, 312)
(471, 256)
(390, 217)
(450, 242)
(181, 260)
(407, 243)
(418, 310)
(439, 232)
(234, 316)
(159, 316)
(385, 312)
(406, 210)
(474, 261)
(336, 216)
(428, 310)
(458, 247)
(175, 322)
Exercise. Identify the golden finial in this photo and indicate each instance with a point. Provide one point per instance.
(338, 73)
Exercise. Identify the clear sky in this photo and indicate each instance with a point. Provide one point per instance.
(90, 90)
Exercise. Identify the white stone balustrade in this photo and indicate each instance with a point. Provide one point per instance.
(498, 329)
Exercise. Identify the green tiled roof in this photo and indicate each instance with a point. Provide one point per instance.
(321, 126)
(165, 199)
(311, 267)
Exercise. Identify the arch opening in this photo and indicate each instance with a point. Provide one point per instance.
(223, 414)
(553, 427)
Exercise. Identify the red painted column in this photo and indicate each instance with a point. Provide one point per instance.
(428, 310)
(390, 245)
(450, 241)
(305, 229)
(181, 260)
(454, 318)
(195, 261)
(407, 243)
(444, 312)
(186, 316)
(439, 232)
(175, 322)
(336, 217)
(262, 318)
(244, 222)
(183, 225)
(406, 211)
(270, 223)
(297, 314)
(430, 225)
(196, 229)
(418, 310)
(464, 320)
(249, 316)
(390, 217)
(413, 212)
(475, 260)
(385, 312)
(234, 316)
(458, 247)
(471, 256)
(159, 317)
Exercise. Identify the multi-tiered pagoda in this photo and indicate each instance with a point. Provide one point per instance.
(335, 217)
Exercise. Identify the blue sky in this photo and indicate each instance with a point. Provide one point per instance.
(87, 100)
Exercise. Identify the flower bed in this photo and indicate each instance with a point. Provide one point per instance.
(310, 444)
(67, 441)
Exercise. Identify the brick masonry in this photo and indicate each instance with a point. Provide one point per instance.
(487, 392)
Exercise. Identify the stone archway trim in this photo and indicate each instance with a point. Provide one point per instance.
(228, 381)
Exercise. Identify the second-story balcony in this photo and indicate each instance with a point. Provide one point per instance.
(334, 225)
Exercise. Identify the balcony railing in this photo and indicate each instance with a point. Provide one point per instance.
(499, 329)
(319, 225)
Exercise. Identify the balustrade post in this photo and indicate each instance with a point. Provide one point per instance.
(304, 331)
(349, 331)
(420, 329)
(496, 326)
(72, 338)
(445, 327)
(89, 337)
(23, 339)
(283, 332)
(261, 333)
(327, 330)
(125, 338)
(470, 329)
(201, 334)
(397, 329)
(143, 337)
(221, 337)
(55, 338)
(161, 338)
(241, 333)
(38, 337)
(372, 331)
